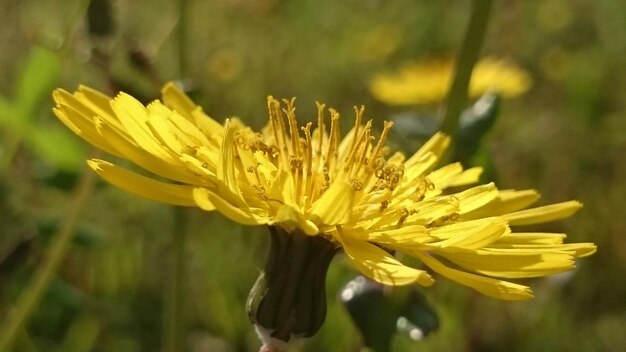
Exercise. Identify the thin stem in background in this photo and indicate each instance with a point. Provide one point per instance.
(46, 271)
(472, 44)
(175, 318)
(183, 6)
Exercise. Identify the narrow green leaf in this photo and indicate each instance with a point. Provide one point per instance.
(36, 80)
(6, 111)
(58, 147)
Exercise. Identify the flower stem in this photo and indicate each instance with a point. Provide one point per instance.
(182, 37)
(174, 299)
(28, 301)
(472, 44)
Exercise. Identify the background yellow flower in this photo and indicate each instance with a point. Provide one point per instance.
(428, 81)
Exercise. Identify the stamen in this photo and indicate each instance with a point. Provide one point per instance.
(357, 185)
(308, 159)
(326, 183)
(381, 142)
(420, 191)
(320, 127)
(446, 219)
(331, 153)
(404, 213)
(367, 146)
(308, 147)
(356, 144)
(357, 125)
(293, 126)
(276, 126)
(255, 170)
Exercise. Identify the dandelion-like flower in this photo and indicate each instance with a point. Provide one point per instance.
(319, 192)
(428, 81)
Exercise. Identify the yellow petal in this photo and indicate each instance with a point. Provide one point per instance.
(177, 100)
(437, 144)
(543, 214)
(578, 250)
(96, 101)
(442, 176)
(141, 157)
(283, 189)
(163, 130)
(206, 199)
(143, 186)
(133, 116)
(511, 263)
(290, 218)
(414, 174)
(335, 205)
(226, 166)
(431, 210)
(531, 238)
(467, 177)
(380, 266)
(104, 136)
(84, 128)
(508, 201)
(476, 197)
(488, 286)
(190, 130)
(480, 237)
(451, 230)
(406, 235)
(88, 103)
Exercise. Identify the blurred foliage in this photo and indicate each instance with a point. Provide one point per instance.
(565, 137)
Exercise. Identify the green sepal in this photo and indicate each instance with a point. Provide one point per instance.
(289, 296)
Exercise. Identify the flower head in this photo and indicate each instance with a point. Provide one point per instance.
(428, 81)
(350, 190)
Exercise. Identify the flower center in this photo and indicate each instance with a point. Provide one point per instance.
(315, 158)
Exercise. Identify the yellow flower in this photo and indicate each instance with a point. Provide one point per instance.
(428, 81)
(347, 190)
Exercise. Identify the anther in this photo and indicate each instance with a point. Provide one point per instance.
(404, 214)
(357, 185)
(239, 139)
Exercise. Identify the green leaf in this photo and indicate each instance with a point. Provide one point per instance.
(35, 82)
(58, 147)
(5, 109)
(474, 125)
(82, 334)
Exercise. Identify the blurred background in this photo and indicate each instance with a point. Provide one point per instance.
(564, 137)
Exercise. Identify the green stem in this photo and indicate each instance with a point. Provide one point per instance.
(175, 297)
(28, 301)
(472, 44)
(182, 37)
